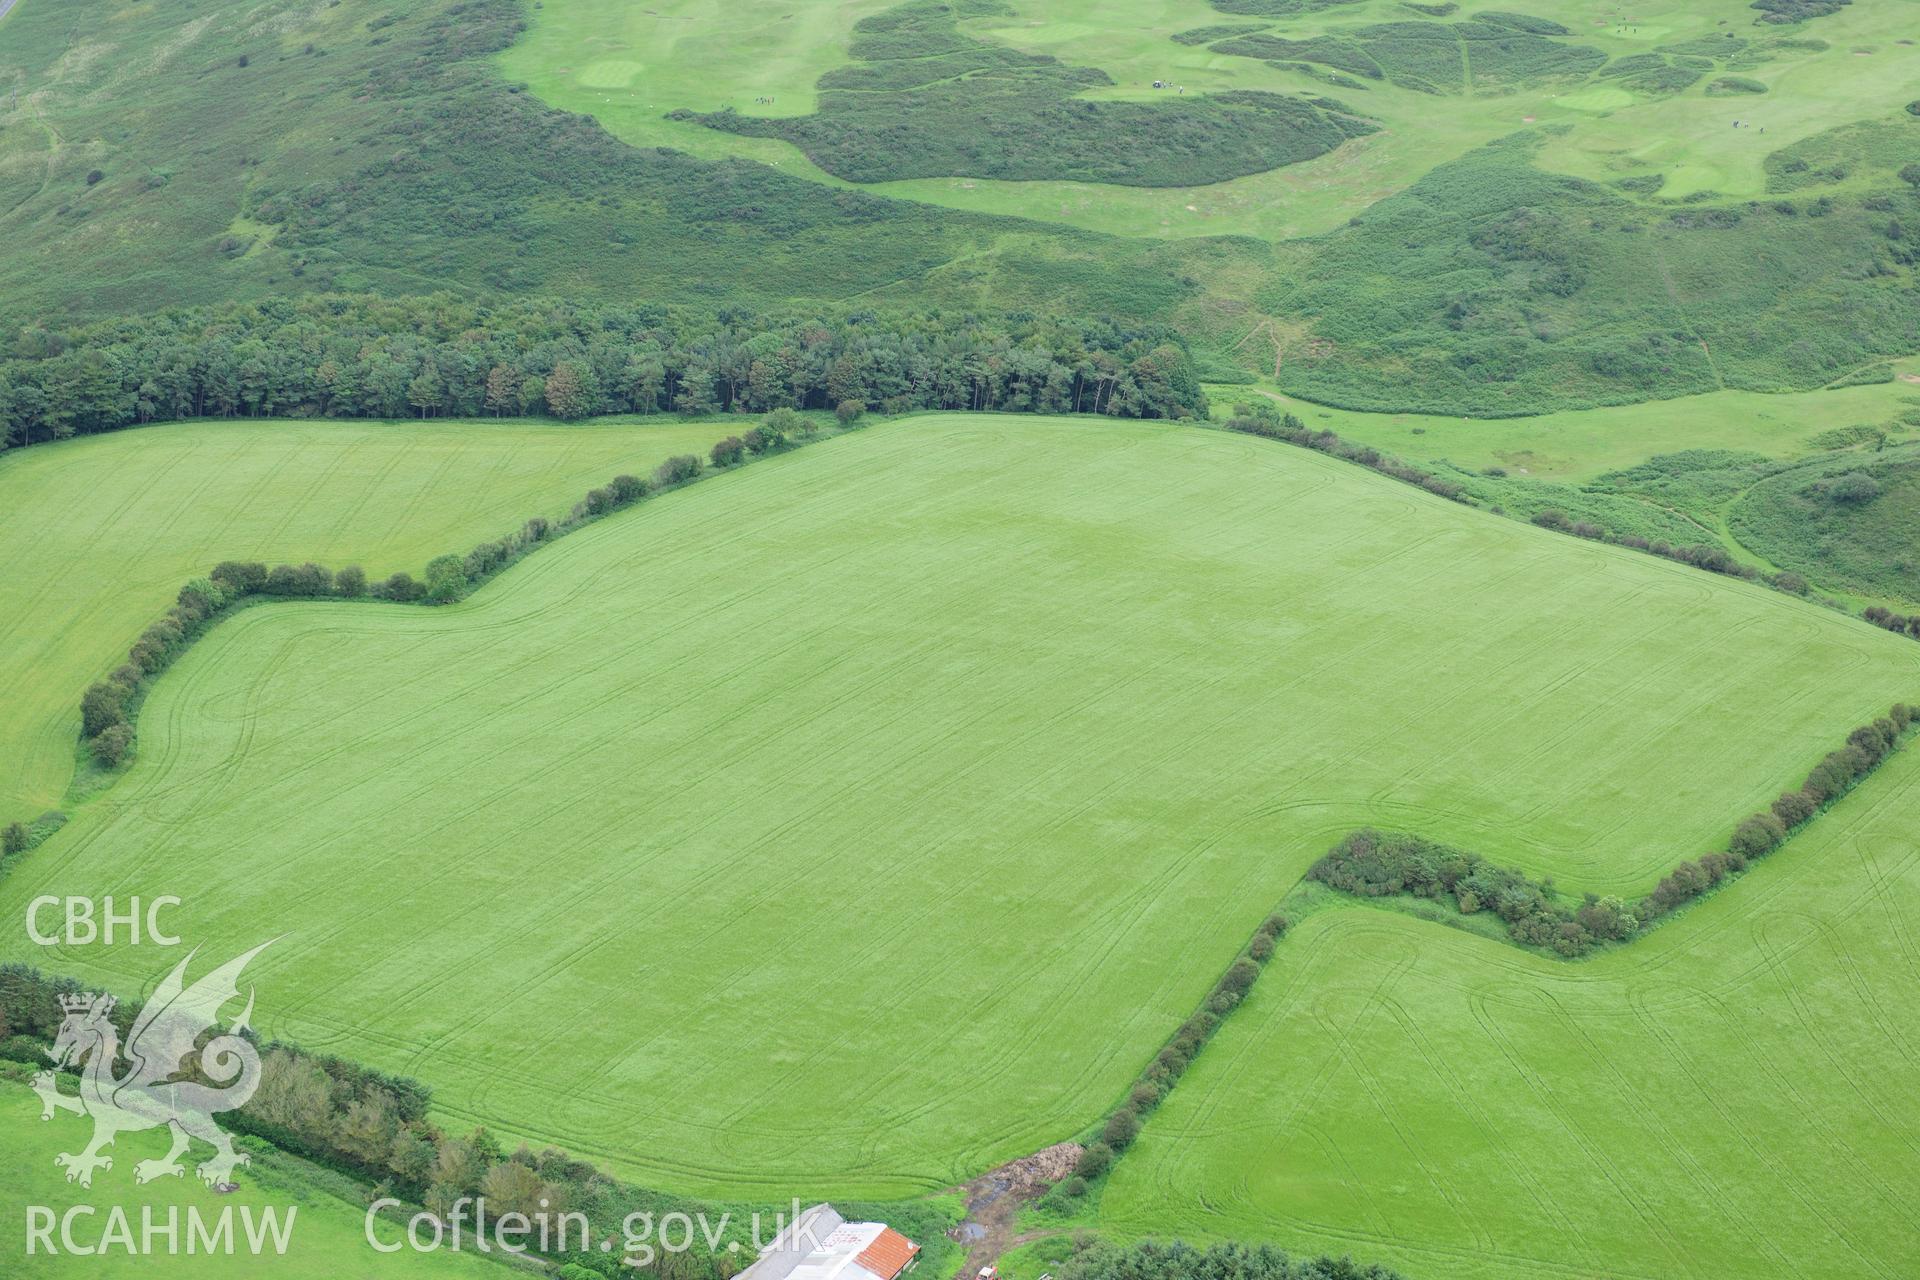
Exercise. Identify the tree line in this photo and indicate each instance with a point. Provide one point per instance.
(1269, 422)
(108, 708)
(1374, 864)
(376, 1128)
(1152, 1260)
(1760, 834)
(1901, 624)
(354, 356)
(1157, 1079)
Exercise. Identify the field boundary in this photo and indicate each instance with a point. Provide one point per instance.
(1108, 1140)
(1373, 866)
(233, 586)
(334, 1139)
(1269, 423)
(110, 709)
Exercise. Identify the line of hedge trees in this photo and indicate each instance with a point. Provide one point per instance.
(1268, 422)
(1151, 1260)
(375, 1128)
(1898, 623)
(357, 356)
(1714, 559)
(108, 707)
(1123, 1124)
(1759, 835)
(1374, 864)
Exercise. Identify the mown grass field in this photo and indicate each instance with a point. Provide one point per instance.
(628, 67)
(1731, 1096)
(1582, 444)
(102, 531)
(1740, 469)
(365, 146)
(327, 1242)
(935, 770)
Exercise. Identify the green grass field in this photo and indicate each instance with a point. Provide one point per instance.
(628, 67)
(102, 532)
(1731, 1096)
(1582, 444)
(327, 1242)
(849, 823)
(935, 770)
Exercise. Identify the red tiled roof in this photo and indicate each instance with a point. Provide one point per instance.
(888, 1255)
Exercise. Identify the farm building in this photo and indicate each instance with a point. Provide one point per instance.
(821, 1245)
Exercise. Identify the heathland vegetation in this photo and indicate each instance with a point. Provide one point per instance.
(1157, 571)
(923, 99)
(1493, 287)
(369, 146)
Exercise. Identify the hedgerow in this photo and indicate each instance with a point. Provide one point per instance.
(109, 709)
(1119, 1127)
(376, 1128)
(1374, 864)
(1151, 1260)
(1270, 423)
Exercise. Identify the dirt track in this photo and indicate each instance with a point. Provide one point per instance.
(994, 1199)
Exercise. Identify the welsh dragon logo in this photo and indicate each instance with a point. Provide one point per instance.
(167, 1068)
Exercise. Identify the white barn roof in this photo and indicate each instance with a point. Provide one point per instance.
(821, 1245)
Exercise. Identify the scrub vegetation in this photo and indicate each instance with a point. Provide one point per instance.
(923, 100)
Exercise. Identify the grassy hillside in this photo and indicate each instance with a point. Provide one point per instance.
(365, 145)
(1853, 521)
(327, 1242)
(631, 67)
(103, 531)
(1494, 287)
(970, 740)
(1731, 1096)
(925, 100)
